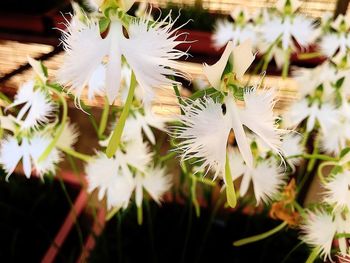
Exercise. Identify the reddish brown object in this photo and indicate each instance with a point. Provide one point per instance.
(62, 234)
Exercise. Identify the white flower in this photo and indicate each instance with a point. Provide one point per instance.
(296, 28)
(294, 4)
(342, 221)
(267, 177)
(149, 50)
(69, 136)
(37, 107)
(112, 182)
(29, 150)
(226, 31)
(138, 122)
(205, 134)
(333, 42)
(291, 146)
(326, 115)
(113, 177)
(318, 231)
(309, 79)
(155, 181)
(206, 129)
(337, 190)
(242, 57)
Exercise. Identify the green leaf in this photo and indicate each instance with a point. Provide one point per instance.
(344, 152)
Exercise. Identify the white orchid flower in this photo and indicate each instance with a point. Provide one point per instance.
(149, 50)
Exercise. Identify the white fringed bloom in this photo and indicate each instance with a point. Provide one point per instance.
(207, 123)
(113, 178)
(337, 190)
(326, 115)
(149, 50)
(318, 231)
(205, 134)
(206, 128)
(37, 107)
(267, 176)
(139, 123)
(288, 29)
(112, 182)
(29, 151)
(332, 42)
(226, 31)
(309, 79)
(291, 146)
(155, 181)
(69, 136)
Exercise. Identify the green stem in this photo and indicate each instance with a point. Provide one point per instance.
(311, 55)
(320, 173)
(104, 119)
(194, 195)
(322, 157)
(230, 190)
(259, 237)
(312, 162)
(78, 155)
(60, 129)
(167, 157)
(313, 255)
(286, 63)
(112, 213)
(118, 131)
(139, 215)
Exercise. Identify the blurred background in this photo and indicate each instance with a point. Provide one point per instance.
(36, 225)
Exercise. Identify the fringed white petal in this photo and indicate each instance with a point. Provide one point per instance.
(156, 182)
(69, 136)
(10, 154)
(268, 179)
(38, 145)
(223, 33)
(85, 50)
(110, 180)
(37, 108)
(318, 231)
(151, 52)
(337, 190)
(258, 116)
(204, 134)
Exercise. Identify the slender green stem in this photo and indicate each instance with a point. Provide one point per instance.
(139, 215)
(311, 55)
(194, 195)
(322, 157)
(314, 254)
(78, 155)
(320, 173)
(167, 157)
(60, 129)
(259, 237)
(286, 63)
(112, 213)
(291, 252)
(118, 131)
(104, 119)
(312, 162)
(4, 98)
(230, 190)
